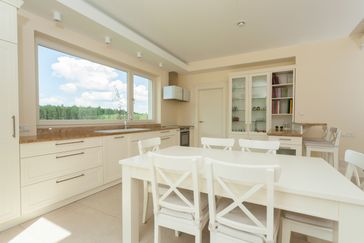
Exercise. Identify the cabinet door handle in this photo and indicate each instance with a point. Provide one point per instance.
(165, 138)
(71, 178)
(119, 137)
(164, 131)
(200, 121)
(69, 155)
(285, 139)
(66, 143)
(14, 129)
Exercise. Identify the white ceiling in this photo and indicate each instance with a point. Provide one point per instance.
(194, 30)
(201, 29)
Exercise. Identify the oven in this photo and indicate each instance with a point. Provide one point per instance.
(185, 136)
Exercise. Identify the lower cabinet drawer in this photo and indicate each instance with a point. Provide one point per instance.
(40, 195)
(45, 167)
(287, 140)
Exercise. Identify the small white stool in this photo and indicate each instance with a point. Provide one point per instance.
(329, 146)
(311, 226)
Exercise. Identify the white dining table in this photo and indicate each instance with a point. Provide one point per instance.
(306, 185)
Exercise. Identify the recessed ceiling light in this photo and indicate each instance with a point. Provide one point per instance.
(161, 64)
(241, 23)
(139, 54)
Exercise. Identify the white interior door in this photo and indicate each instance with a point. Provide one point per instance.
(211, 113)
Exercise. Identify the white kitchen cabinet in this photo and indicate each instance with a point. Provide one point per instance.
(40, 195)
(57, 170)
(44, 167)
(288, 145)
(249, 103)
(115, 149)
(51, 147)
(9, 128)
(8, 22)
(169, 138)
(133, 141)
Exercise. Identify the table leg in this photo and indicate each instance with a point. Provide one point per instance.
(350, 224)
(130, 207)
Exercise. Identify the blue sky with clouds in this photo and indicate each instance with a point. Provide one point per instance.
(69, 80)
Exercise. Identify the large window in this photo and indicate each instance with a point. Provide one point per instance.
(72, 88)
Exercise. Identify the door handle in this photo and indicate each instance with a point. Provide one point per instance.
(14, 129)
(200, 121)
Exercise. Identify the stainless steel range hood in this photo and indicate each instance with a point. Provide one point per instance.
(173, 91)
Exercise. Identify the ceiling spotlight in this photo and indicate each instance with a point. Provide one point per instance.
(57, 16)
(160, 64)
(139, 54)
(241, 23)
(107, 40)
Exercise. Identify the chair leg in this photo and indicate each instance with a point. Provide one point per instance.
(336, 159)
(286, 232)
(198, 237)
(156, 233)
(308, 152)
(145, 201)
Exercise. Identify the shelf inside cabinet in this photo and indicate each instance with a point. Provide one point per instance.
(282, 98)
(282, 85)
(282, 114)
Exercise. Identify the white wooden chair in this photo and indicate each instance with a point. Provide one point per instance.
(178, 209)
(355, 162)
(151, 144)
(329, 146)
(270, 147)
(224, 143)
(308, 225)
(234, 220)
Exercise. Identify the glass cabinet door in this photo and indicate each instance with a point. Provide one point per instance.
(258, 103)
(238, 107)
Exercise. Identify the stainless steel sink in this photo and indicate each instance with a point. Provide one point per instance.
(122, 130)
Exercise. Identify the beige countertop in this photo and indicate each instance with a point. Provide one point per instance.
(64, 133)
(289, 133)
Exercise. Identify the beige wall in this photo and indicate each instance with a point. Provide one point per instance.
(330, 85)
(31, 25)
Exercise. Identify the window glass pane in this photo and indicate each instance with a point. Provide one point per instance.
(72, 88)
(142, 98)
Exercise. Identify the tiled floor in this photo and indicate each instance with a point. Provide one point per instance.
(95, 219)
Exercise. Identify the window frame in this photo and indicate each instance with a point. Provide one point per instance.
(103, 60)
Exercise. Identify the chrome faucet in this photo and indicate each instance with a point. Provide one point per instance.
(126, 116)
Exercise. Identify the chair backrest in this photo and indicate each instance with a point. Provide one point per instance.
(355, 161)
(255, 177)
(149, 145)
(172, 171)
(224, 143)
(270, 147)
(334, 136)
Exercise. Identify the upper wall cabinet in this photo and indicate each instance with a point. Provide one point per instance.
(261, 101)
(8, 20)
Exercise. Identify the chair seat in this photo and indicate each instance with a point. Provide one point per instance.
(176, 200)
(238, 216)
(306, 219)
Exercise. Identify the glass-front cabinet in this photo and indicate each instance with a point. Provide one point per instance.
(249, 103)
(239, 104)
